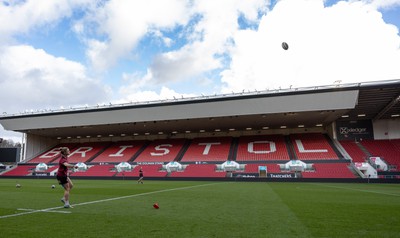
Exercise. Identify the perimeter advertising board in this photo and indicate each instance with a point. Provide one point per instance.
(354, 130)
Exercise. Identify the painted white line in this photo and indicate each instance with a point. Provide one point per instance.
(142, 194)
(27, 209)
(29, 212)
(107, 200)
(360, 190)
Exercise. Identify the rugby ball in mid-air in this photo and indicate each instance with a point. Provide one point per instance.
(285, 46)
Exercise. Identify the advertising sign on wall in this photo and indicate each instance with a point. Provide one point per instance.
(354, 130)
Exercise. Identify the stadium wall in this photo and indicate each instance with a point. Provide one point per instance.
(387, 129)
(37, 144)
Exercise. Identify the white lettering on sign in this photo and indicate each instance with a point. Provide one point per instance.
(272, 147)
(82, 151)
(51, 153)
(160, 148)
(302, 150)
(119, 153)
(208, 146)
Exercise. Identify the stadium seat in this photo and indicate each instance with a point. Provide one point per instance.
(87, 151)
(119, 152)
(262, 148)
(208, 149)
(96, 170)
(148, 171)
(198, 171)
(389, 150)
(52, 155)
(330, 170)
(312, 146)
(161, 151)
(20, 170)
(354, 151)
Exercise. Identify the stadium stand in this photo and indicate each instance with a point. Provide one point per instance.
(20, 170)
(87, 151)
(199, 170)
(148, 171)
(51, 169)
(356, 154)
(120, 152)
(388, 150)
(208, 149)
(161, 151)
(96, 171)
(292, 130)
(312, 146)
(51, 155)
(330, 170)
(262, 148)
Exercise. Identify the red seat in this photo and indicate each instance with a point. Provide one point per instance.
(208, 149)
(199, 170)
(262, 148)
(389, 150)
(161, 151)
(354, 151)
(52, 155)
(96, 170)
(20, 170)
(148, 171)
(312, 146)
(119, 152)
(330, 170)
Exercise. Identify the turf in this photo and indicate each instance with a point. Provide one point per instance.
(123, 208)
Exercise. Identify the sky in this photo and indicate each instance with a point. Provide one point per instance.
(74, 53)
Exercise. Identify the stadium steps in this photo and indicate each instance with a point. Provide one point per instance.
(183, 150)
(233, 149)
(334, 147)
(363, 149)
(99, 153)
(353, 170)
(147, 143)
(290, 149)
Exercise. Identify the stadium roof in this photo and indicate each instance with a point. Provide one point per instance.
(260, 110)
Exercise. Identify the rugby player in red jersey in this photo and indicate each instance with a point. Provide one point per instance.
(62, 175)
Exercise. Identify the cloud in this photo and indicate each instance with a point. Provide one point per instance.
(206, 31)
(383, 4)
(20, 17)
(137, 89)
(9, 135)
(208, 40)
(124, 23)
(348, 41)
(37, 80)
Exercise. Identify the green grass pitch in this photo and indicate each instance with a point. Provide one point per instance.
(123, 208)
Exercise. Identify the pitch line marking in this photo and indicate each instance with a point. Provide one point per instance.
(142, 194)
(106, 200)
(41, 210)
(360, 190)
